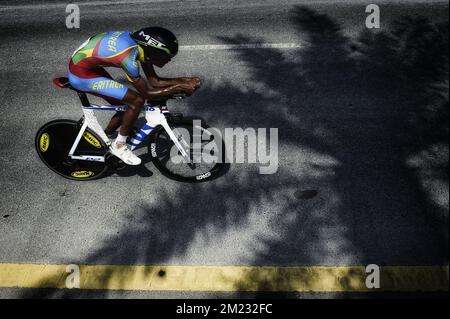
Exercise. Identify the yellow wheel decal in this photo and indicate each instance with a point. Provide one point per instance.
(92, 140)
(82, 174)
(44, 142)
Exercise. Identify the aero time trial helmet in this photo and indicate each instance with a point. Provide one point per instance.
(156, 41)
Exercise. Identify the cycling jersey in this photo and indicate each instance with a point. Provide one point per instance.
(108, 49)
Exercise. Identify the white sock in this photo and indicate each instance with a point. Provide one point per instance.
(121, 139)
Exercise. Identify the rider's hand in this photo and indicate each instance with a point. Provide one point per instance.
(185, 88)
(195, 82)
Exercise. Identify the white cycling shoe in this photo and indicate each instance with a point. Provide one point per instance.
(125, 154)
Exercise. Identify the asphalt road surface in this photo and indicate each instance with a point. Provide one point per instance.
(362, 118)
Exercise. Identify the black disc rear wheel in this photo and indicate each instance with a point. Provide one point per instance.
(53, 143)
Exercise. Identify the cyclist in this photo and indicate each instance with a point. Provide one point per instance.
(149, 46)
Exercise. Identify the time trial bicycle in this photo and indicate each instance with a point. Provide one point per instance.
(79, 150)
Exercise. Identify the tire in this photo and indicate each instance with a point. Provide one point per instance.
(53, 142)
(159, 147)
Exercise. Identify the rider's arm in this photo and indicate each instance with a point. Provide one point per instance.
(131, 68)
(150, 93)
(158, 82)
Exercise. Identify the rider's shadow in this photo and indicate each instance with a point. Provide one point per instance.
(128, 170)
(140, 170)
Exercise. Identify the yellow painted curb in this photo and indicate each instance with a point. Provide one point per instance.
(226, 278)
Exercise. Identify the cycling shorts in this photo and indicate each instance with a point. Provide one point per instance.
(99, 83)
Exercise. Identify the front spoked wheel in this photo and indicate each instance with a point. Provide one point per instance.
(53, 143)
(204, 146)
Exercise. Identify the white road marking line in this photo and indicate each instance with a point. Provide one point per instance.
(44, 6)
(208, 47)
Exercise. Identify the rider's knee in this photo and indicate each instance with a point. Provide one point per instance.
(137, 102)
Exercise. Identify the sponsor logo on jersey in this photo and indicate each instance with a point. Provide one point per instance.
(106, 84)
(112, 41)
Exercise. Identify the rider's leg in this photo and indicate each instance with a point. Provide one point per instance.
(106, 86)
(124, 120)
(135, 103)
(116, 119)
(118, 148)
(114, 123)
(100, 83)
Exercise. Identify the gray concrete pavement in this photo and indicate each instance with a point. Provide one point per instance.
(361, 120)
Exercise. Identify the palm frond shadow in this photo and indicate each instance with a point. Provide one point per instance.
(360, 108)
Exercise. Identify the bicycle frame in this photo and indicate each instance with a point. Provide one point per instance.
(153, 115)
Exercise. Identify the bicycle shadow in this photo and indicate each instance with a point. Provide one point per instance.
(142, 170)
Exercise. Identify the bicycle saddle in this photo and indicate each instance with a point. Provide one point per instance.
(62, 82)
